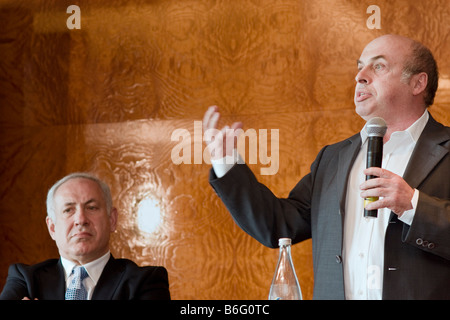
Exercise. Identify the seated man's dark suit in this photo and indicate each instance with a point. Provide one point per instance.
(417, 257)
(121, 279)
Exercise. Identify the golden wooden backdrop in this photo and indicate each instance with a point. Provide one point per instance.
(107, 97)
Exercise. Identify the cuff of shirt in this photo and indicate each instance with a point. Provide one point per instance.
(408, 216)
(223, 165)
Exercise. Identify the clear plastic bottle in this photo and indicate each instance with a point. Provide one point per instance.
(285, 284)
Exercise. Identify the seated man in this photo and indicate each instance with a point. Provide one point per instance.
(80, 220)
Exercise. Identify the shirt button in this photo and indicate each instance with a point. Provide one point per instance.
(338, 259)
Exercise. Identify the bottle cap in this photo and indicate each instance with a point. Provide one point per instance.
(284, 241)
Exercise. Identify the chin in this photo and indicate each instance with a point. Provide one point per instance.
(364, 112)
(82, 249)
(363, 115)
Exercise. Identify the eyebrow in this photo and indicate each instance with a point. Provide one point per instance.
(68, 204)
(372, 59)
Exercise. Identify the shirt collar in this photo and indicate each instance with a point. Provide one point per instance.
(93, 268)
(415, 130)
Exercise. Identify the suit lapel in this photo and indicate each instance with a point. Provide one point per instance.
(52, 279)
(109, 280)
(427, 153)
(347, 156)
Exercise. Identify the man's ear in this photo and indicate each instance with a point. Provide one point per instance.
(50, 226)
(113, 219)
(419, 83)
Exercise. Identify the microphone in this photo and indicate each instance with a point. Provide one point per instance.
(376, 128)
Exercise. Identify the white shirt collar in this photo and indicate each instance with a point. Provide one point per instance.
(93, 268)
(415, 130)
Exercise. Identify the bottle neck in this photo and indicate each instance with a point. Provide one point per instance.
(285, 254)
(285, 248)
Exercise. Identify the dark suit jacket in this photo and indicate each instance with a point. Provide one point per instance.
(121, 279)
(416, 264)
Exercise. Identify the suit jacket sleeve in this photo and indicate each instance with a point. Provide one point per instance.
(155, 285)
(430, 230)
(259, 212)
(429, 172)
(16, 286)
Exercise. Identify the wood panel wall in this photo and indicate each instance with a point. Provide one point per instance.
(107, 97)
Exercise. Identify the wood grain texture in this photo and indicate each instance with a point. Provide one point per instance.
(106, 99)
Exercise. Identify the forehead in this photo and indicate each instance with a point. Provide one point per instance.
(391, 48)
(78, 190)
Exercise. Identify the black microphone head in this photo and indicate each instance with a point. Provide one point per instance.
(376, 127)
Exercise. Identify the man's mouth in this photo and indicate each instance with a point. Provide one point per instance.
(362, 95)
(82, 235)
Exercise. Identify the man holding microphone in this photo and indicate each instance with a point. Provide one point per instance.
(404, 252)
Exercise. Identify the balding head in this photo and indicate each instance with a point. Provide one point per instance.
(416, 58)
(392, 81)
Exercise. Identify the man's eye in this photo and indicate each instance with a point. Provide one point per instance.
(378, 66)
(92, 208)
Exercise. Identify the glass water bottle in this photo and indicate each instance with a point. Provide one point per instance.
(285, 284)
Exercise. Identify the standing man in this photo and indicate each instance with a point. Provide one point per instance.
(80, 219)
(405, 252)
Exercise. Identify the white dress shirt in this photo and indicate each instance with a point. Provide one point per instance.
(93, 268)
(363, 245)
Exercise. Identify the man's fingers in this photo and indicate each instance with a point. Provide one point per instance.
(236, 125)
(394, 193)
(378, 172)
(374, 192)
(213, 121)
(372, 183)
(210, 118)
(379, 204)
(219, 142)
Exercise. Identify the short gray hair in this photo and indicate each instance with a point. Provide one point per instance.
(103, 186)
(421, 60)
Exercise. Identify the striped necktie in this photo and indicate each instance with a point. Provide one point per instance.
(76, 289)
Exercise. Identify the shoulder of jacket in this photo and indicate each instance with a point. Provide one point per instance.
(27, 268)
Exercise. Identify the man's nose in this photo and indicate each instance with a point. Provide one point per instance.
(363, 76)
(81, 217)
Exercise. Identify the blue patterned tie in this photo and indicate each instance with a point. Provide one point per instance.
(76, 289)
